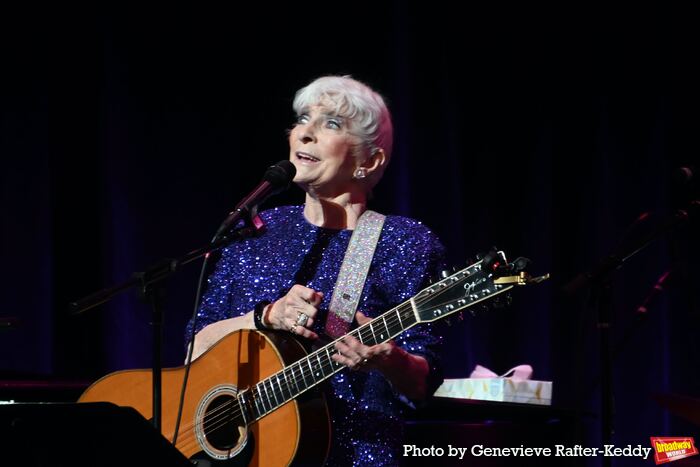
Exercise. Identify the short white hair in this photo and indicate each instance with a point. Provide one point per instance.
(364, 108)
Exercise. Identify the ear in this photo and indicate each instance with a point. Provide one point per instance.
(374, 161)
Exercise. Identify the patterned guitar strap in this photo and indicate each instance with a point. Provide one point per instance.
(353, 273)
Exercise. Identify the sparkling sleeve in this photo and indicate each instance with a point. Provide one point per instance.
(216, 302)
(423, 256)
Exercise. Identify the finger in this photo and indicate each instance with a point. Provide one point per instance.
(302, 331)
(317, 299)
(355, 346)
(361, 318)
(306, 333)
(308, 309)
(304, 320)
(349, 355)
(306, 294)
(299, 305)
(309, 322)
(352, 362)
(342, 359)
(352, 349)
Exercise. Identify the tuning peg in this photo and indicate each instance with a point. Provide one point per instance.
(444, 274)
(520, 264)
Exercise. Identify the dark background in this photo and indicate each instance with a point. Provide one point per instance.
(127, 135)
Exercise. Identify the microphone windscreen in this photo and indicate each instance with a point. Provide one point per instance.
(281, 174)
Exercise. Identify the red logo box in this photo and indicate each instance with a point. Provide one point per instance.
(669, 449)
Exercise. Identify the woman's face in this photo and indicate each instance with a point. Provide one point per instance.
(324, 152)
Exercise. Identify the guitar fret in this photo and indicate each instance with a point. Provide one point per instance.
(328, 356)
(265, 398)
(397, 321)
(320, 365)
(413, 307)
(369, 335)
(258, 403)
(330, 363)
(334, 364)
(303, 377)
(272, 389)
(286, 390)
(398, 315)
(408, 316)
(323, 364)
(279, 385)
(311, 368)
(388, 329)
(386, 335)
(374, 336)
(277, 392)
(242, 412)
(286, 384)
(359, 335)
(294, 379)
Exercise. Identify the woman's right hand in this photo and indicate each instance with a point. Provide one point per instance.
(288, 312)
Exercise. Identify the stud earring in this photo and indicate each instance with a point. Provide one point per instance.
(360, 173)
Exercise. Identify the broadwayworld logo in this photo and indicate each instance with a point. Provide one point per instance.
(669, 449)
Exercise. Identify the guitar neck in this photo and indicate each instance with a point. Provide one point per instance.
(293, 380)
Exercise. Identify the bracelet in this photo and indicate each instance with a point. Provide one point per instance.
(258, 314)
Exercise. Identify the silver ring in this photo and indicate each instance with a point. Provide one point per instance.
(293, 328)
(302, 319)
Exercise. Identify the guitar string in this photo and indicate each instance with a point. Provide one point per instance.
(222, 412)
(327, 368)
(391, 321)
(222, 419)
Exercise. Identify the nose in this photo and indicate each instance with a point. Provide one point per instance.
(306, 133)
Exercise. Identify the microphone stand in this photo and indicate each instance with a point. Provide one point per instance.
(151, 283)
(601, 293)
(8, 322)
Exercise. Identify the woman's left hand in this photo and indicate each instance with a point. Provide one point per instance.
(357, 356)
(405, 371)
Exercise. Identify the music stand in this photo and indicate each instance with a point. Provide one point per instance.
(77, 435)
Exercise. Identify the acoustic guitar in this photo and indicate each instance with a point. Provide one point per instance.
(252, 398)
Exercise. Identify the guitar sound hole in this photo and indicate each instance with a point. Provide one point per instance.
(222, 423)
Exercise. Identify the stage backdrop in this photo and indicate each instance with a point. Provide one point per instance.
(127, 136)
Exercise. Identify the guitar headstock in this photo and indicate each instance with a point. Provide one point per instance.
(480, 282)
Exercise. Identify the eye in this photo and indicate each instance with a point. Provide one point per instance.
(334, 123)
(302, 119)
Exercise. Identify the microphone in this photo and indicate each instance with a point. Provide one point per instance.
(277, 178)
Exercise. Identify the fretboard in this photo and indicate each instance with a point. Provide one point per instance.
(319, 365)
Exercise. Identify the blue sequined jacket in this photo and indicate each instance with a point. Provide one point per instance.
(365, 410)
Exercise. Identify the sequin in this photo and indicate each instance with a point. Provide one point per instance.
(366, 412)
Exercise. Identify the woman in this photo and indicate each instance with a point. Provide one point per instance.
(340, 145)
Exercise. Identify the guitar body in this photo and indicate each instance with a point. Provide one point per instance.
(298, 432)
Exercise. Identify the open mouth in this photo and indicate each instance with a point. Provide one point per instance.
(306, 157)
